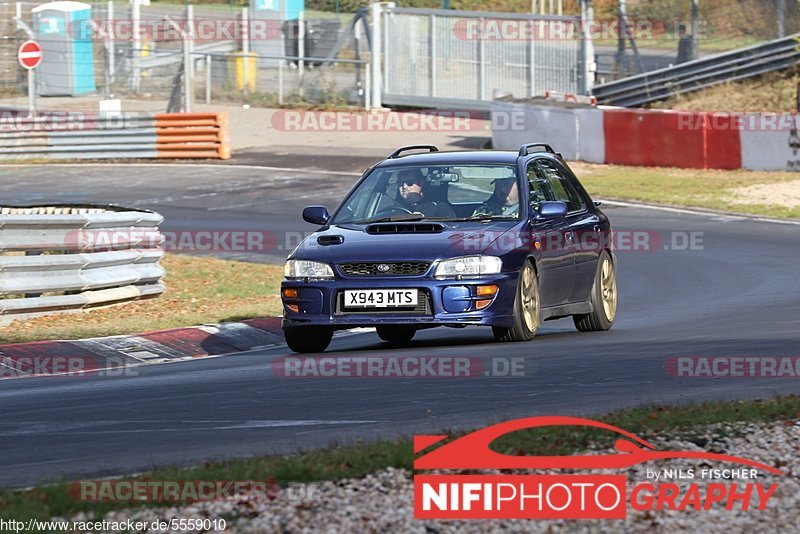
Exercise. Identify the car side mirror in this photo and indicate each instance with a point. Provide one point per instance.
(551, 210)
(316, 214)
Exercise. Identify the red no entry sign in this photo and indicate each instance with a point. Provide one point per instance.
(29, 55)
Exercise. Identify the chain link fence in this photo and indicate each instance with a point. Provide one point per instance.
(226, 60)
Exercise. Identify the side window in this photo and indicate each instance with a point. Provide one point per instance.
(539, 188)
(558, 185)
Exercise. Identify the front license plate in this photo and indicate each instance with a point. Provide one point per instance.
(380, 298)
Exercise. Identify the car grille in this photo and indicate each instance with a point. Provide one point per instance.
(423, 307)
(403, 268)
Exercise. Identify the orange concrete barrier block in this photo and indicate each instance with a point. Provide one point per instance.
(193, 135)
(224, 135)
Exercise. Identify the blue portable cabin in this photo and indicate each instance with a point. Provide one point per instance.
(65, 35)
(274, 14)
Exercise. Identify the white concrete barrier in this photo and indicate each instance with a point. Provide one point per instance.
(768, 146)
(701, 140)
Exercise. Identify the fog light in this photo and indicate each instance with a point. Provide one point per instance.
(486, 291)
(290, 293)
(481, 304)
(293, 308)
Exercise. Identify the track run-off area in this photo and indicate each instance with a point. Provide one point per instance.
(706, 285)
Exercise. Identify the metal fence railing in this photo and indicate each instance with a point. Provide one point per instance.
(289, 60)
(456, 57)
(699, 74)
(57, 258)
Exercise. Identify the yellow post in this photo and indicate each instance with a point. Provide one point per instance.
(248, 62)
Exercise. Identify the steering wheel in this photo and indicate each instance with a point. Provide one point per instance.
(392, 210)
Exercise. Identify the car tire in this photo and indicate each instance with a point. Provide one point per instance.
(603, 298)
(397, 335)
(305, 339)
(527, 305)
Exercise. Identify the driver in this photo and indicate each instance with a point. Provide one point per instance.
(411, 195)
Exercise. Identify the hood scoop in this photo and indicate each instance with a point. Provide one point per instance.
(326, 240)
(405, 228)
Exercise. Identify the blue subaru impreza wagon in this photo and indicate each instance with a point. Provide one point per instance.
(428, 238)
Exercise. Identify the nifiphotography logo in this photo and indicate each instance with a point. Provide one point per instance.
(571, 496)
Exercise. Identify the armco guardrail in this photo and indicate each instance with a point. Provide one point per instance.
(68, 135)
(57, 258)
(699, 74)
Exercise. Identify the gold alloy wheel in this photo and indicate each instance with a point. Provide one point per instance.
(608, 287)
(530, 299)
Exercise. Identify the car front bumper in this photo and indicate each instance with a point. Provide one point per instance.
(441, 302)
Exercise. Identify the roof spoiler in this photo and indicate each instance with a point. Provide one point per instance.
(397, 153)
(524, 150)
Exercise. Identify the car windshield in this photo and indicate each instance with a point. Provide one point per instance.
(434, 192)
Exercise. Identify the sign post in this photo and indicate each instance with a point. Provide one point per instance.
(29, 56)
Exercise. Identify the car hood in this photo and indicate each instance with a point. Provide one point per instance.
(456, 239)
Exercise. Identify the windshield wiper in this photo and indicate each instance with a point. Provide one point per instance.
(484, 217)
(402, 217)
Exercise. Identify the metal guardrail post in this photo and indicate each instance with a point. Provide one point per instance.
(695, 27)
(281, 67)
(112, 60)
(367, 86)
(586, 64)
(301, 46)
(136, 46)
(188, 78)
(245, 51)
(208, 78)
(376, 10)
(190, 35)
(32, 92)
(482, 64)
(531, 65)
(432, 53)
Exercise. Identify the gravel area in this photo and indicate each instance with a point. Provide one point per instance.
(785, 194)
(383, 502)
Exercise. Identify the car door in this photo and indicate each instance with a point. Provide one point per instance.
(556, 264)
(582, 229)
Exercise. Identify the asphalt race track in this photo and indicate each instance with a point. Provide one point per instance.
(737, 296)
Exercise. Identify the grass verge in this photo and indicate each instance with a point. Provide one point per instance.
(711, 189)
(360, 459)
(199, 291)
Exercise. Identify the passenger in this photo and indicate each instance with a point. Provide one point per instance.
(504, 201)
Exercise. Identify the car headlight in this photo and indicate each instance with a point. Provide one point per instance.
(307, 269)
(469, 266)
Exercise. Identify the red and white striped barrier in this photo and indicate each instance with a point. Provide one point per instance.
(688, 139)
